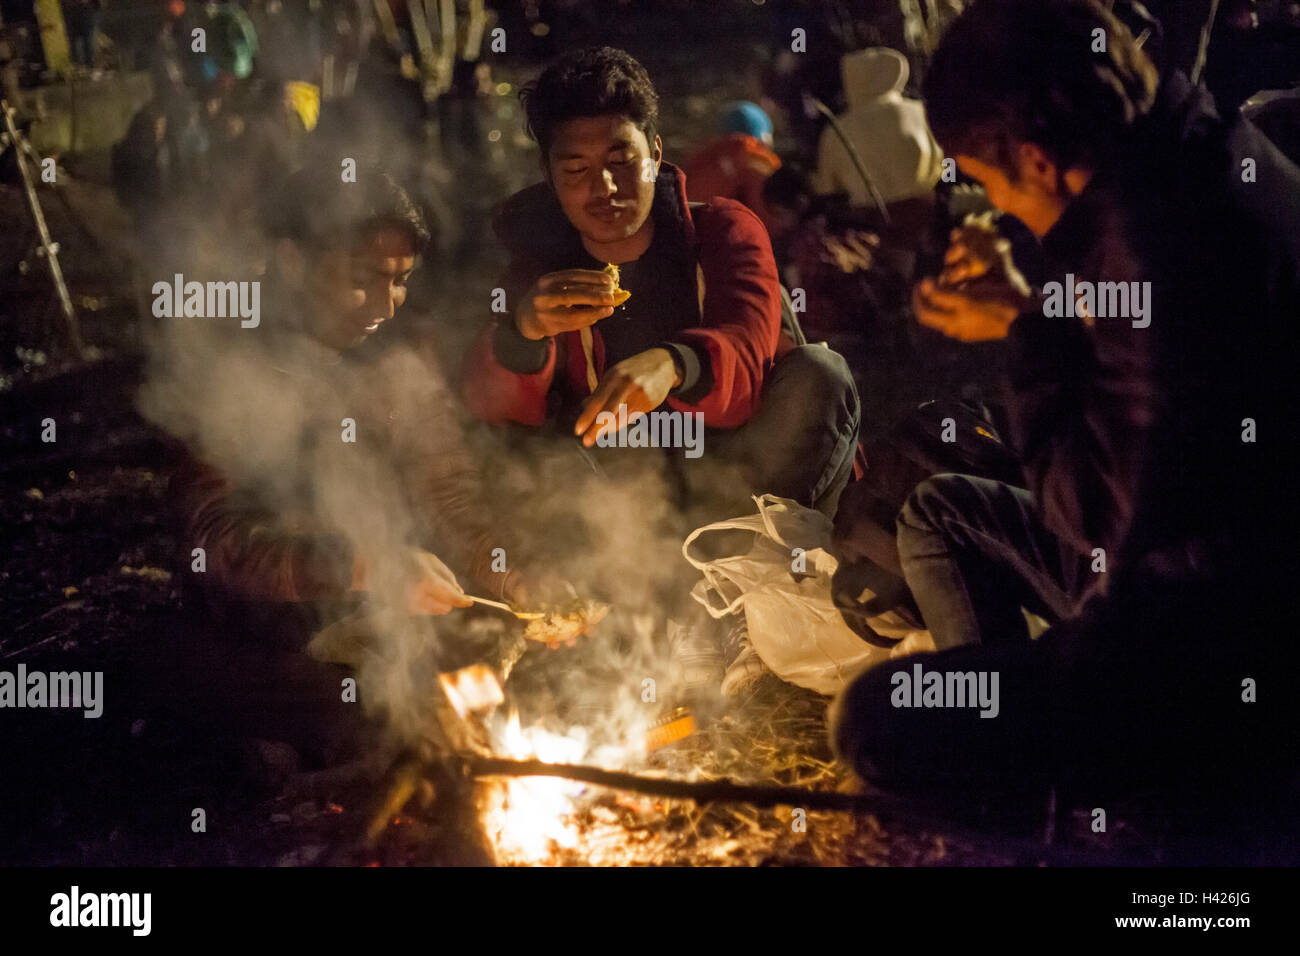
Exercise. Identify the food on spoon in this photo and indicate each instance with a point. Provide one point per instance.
(560, 626)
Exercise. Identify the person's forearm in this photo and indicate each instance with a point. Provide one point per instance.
(492, 392)
(517, 352)
(253, 551)
(694, 377)
(257, 559)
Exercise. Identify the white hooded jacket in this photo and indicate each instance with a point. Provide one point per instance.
(888, 130)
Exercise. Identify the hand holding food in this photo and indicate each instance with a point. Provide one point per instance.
(565, 302)
(976, 249)
(980, 291)
(428, 584)
(970, 315)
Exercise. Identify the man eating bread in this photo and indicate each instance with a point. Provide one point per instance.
(624, 299)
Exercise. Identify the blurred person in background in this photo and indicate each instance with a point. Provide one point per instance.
(737, 163)
(887, 130)
(1248, 54)
(82, 20)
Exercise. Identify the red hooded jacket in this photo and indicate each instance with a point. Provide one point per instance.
(731, 340)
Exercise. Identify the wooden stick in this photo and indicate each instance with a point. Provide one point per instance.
(699, 791)
(772, 796)
(48, 249)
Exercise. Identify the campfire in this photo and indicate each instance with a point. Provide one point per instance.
(528, 818)
(531, 820)
(493, 786)
(658, 793)
(506, 774)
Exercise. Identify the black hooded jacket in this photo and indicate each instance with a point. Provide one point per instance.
(1139, 440)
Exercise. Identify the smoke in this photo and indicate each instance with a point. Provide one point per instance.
(610, 524)
(273, 422)
(267, 406)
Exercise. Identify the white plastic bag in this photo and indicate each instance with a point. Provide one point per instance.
(793, 622)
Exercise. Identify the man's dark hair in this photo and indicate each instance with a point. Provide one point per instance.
(590, 82)
(1023, 71)
(316, 209)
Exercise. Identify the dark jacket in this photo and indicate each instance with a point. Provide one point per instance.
(726, 345)
(1132, 438)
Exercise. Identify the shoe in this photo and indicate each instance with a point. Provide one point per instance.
(744, 667)
(697, 659)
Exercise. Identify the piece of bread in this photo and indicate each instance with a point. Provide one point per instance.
(620, 295)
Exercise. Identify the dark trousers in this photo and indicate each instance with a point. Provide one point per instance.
(801, 441)
(974, 552)
(1144, 691)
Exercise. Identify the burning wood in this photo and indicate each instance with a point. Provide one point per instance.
(404, 786)
(471, 689)
(531, 796)
(496, 790)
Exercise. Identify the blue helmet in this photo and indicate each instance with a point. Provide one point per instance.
(746, 117)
